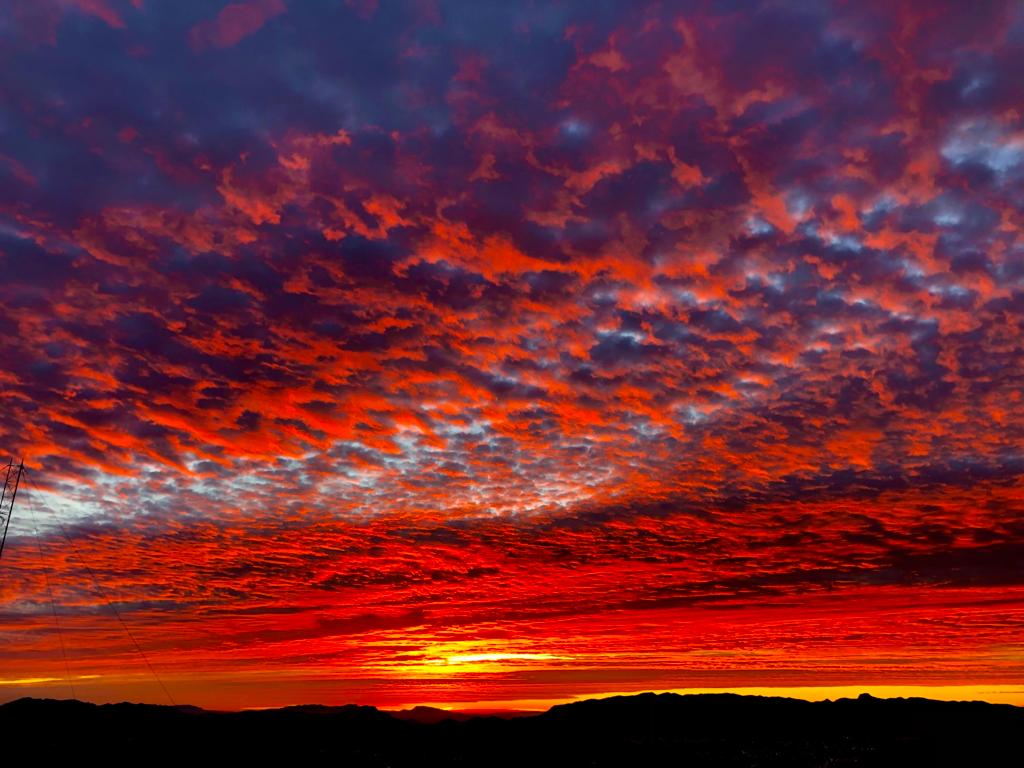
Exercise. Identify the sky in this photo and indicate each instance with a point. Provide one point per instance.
(495, 354)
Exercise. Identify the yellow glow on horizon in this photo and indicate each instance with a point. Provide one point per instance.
(470, 658)
(466, 657)
(44, 680)
(30, 680)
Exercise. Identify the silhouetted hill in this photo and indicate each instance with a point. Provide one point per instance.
(429, 715)
(647, 729)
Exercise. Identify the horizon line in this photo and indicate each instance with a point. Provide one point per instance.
(1012, 695)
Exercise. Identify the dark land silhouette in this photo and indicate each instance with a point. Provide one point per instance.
(646, 729)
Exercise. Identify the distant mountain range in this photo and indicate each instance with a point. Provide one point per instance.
(646, 729)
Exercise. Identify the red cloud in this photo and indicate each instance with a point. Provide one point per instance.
(100, 9)
(234, 23)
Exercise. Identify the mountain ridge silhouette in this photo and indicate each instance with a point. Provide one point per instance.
(720, 729)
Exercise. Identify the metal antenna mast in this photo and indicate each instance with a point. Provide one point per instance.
(11, 483)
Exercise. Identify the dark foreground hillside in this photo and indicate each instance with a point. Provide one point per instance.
(648, 729)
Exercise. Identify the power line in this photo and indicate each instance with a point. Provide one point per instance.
(100, 591)
(53, 603)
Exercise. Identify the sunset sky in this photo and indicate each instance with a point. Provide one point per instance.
(496, 354)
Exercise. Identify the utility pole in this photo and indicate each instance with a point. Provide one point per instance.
(11, 483)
